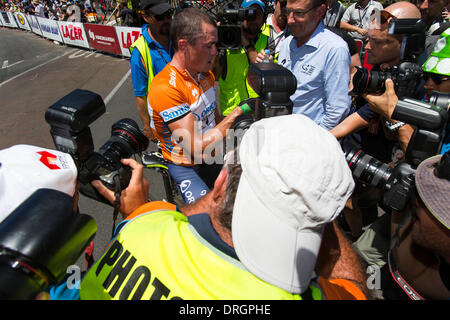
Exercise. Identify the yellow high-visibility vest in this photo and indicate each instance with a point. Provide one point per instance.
(159, 255)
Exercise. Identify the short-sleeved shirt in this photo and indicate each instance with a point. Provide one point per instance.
(160, 57)
(357, 16)
(322, 68)
(174, 94)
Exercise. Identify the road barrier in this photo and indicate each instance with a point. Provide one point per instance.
(110, 39)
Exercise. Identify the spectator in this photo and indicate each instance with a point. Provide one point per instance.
(356, 19)
(182, 105)
(150, 54)
(73, 12)
(126, 15)
(432, 12)
(39, 9)
(278, 21)
(320, 60)
(252, 244)
(333, 16)
(231, 66)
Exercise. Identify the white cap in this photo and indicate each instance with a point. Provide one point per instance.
(25, 169)
(294, 181)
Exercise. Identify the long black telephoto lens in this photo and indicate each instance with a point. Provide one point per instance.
(126, 139)
(367, 81)
(367, 169)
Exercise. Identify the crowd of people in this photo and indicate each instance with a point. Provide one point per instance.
(88, 11)
(281, 216)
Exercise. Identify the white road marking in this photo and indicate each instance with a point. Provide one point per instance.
(7, 65)
(38, 66)
(117, 87)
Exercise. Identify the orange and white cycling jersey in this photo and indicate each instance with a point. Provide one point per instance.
(172, 95)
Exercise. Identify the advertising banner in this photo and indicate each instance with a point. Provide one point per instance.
(103, 38)
(49, 29)
(73, 33)
(34, 24)
(8, 19)
(22, 21)
(127, 36)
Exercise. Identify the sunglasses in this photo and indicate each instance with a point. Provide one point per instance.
(381, 16)
(437, 78)
(166, 15)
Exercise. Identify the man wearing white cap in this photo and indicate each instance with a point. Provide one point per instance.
(261, 238)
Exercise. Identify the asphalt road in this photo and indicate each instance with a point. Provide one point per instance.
(34, 74)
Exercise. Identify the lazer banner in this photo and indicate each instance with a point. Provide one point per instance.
(73, 34)
(127, 36)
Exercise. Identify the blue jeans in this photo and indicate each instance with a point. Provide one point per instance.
(190, 184)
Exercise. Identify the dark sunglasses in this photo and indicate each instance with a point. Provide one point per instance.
(166, 15)
(437, 78)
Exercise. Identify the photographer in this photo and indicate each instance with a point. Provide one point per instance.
(246, 241)
(231, 66)
(414, 255)
(182, 105)
(364, 127)
(437, 78)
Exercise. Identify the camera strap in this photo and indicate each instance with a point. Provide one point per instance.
(116, 204)
(393, 269)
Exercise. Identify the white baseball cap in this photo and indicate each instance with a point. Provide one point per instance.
(25, 169)
(294, 181)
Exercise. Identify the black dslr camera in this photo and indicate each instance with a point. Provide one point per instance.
(230, 16)
(70, 118)
(408, 74)
(274, 84)
(398, 183)
(38, 241)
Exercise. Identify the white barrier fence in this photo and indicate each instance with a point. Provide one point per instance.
(111, 39)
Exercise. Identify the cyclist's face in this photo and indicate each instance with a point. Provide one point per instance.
(202, 52)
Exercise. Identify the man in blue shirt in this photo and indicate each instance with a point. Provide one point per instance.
(320, 60)
(156, 45)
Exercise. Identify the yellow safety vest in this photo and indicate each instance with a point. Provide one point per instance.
(141, 45)
(159, 255)
(235, 88)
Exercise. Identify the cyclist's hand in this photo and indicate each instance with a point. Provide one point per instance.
(135, 195)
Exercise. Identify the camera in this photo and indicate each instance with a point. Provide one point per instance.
(274, 85)
(230, 16)
(408, 74)
(406, 77)
(38, 241)
(398, 183)
(70, 118)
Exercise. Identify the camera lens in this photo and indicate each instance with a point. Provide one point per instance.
(440, 99)
(367, 81)
(367, 169)
(229, 37)
(126, 139)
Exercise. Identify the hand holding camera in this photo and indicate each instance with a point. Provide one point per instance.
(134, 195)
(385, 103)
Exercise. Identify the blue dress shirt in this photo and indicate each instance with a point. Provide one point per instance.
(322, 68)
